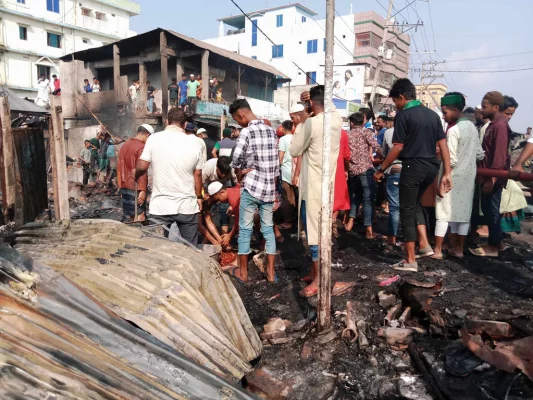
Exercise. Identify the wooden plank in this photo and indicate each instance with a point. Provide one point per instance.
(143, 93)
(164, 73)
(7, 162)
(116, 72)
(58, 160)
(205, 75)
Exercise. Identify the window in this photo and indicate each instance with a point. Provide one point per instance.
(304, 19)
(86, 41)
(85, 12)
(254, 32)
(362, 39)
(277, 51)
(100, 16)
(279, 20)
(23, 33)
(311, 78)
(254, 57)
(52, 5)
(53, 40)
(433, 92)
(312, 46)
(43, 70)
(21, 2)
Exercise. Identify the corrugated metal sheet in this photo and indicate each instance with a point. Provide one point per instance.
(174, 292)
(56, 342)
(230, 54)
(18, 104)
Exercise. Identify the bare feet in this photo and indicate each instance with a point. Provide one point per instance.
(309, 291)
(349, 224)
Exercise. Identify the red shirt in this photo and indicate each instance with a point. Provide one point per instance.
(496, 146)
(127, 160)
(234, 200)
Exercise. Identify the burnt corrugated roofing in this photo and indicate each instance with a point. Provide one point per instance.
(18, 104)
(58, 342)
(171, 291)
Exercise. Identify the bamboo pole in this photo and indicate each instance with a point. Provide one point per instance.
(324, 239)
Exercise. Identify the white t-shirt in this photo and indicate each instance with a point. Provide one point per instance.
(209, 173)
(286, 166)
(174, 156)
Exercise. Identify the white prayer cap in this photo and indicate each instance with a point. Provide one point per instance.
(479, 107)
(201, 130)
(214, 188)
(296, 108)
(149, 128)
(193, 75)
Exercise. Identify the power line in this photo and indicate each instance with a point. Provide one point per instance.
(432, 28)
(485, 72)
(348, 26)
(488, 57)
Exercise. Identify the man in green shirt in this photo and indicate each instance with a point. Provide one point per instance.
(95, 146)
(192, 86)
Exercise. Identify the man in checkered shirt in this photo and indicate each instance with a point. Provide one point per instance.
(256, 163)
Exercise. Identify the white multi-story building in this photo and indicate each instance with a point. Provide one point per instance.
(300, 39)
(35, 33)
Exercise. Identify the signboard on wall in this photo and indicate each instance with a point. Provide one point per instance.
(348, 82)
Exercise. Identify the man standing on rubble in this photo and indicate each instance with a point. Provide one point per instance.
(129, 155)
(176, 159)
(307, 141)
(256, 163)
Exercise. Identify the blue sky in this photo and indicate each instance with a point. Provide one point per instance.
(461, 30)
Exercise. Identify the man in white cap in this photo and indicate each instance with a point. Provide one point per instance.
(127, 160)
(209, 143)
(192, 86)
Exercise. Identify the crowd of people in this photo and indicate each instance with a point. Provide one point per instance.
(270, 180)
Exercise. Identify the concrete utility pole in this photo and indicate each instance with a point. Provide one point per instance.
(380, 61)
(423, 76)
(324, 232)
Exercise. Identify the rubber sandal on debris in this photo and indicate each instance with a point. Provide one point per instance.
(341, 288)
(308, 292)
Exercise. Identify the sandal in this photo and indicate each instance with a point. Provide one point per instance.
(231, 272)
(308, 292)
(405, 266)
(481, 252)
(341, 288)
(453, 254)
(425, 252)
(437, 257)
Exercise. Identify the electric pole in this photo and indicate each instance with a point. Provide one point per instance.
(326, 211)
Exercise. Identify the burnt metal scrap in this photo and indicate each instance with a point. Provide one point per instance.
(58, 342)
(173, 292)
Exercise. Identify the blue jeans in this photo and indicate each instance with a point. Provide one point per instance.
(248, 205)
(150, 104)
(490, 205)
(393, 195)
(313, 249)
(363, 190)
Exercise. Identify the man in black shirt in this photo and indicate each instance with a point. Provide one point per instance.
(417, 133)
(151, 91)
(209, 143)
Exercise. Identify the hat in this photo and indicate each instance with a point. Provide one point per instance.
(211, 81)
(189, 127)
(494, 98)
(297, 108)
(478, 107)
(201, 130)
(149, 128)
(214, 188)
(226, 132)
(236, 126)
(192, 75)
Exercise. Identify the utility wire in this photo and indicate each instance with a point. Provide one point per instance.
(432, 28)
(341, 45)
(488, 57)
(484, 72)
(348, 26)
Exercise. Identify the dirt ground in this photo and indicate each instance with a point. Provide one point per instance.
(496, 289)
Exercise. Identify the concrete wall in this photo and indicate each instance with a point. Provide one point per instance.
(281, 96)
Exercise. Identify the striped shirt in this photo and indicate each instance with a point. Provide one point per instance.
(257, 149)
